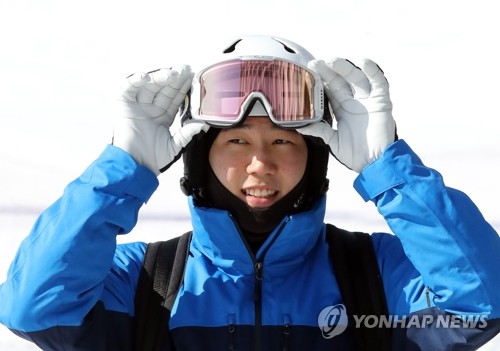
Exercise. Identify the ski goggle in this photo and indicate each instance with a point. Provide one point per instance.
(223, 94)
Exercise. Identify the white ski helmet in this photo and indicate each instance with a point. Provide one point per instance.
(255, 47)
(270, 70)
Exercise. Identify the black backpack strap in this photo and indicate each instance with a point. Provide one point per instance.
(160, 279)
(360, 283)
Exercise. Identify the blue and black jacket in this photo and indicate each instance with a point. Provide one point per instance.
(71, 287)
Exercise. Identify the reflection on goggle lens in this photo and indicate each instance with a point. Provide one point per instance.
(291, 95)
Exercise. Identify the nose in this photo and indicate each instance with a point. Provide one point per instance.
(261, 162)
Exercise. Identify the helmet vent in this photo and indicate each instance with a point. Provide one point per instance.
(286, 47)
(232, 47)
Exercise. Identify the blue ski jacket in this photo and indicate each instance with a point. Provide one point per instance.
(71, 287)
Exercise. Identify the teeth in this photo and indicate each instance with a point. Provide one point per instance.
(260, 192)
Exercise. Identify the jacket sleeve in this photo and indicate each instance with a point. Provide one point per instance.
(440, 270)
(69, 263)
(441, 230)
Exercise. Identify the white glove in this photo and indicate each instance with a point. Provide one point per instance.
(147, 107)
(363, 110)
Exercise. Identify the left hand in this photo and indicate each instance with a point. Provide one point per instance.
(363, 110)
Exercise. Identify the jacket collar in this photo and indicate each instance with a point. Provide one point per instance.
(217, 237)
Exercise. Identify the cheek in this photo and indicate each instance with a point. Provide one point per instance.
(225, 173)
(294, 167)
(295, 158)
(224, 167)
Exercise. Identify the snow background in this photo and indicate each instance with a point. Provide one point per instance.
(61, 63)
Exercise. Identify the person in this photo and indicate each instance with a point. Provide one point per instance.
(256, 136)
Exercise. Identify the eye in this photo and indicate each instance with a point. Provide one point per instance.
(236, 141)
(281, 141)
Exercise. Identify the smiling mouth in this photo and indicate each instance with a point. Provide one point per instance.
(261, 193)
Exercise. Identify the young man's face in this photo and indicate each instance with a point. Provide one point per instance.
(258, 162)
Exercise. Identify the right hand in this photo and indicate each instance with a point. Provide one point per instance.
(148, 105)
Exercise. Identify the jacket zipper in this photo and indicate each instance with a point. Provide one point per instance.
(231, 330)
(286, 332)
(258, 266)
(427, 293)
(259, 275)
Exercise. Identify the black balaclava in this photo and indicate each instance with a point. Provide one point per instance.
(255, 224)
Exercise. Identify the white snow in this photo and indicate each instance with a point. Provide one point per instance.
(61, 64)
